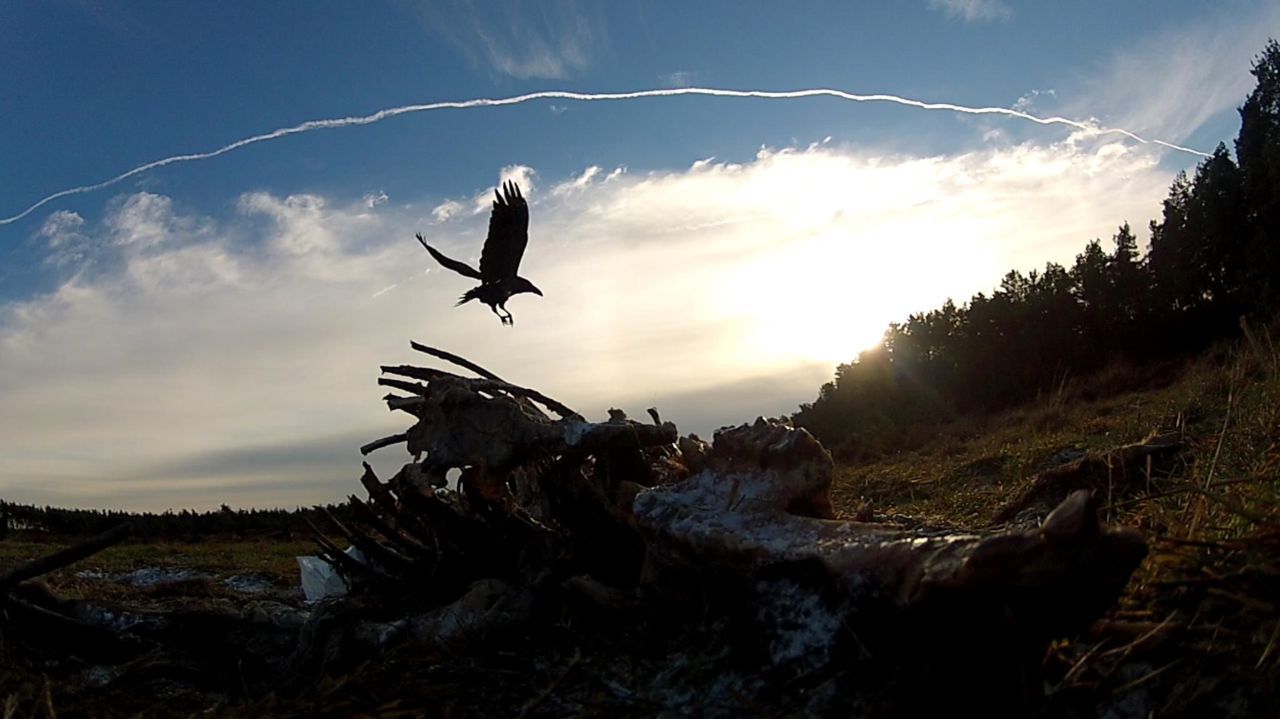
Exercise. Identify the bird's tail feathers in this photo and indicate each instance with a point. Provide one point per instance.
(470, 294)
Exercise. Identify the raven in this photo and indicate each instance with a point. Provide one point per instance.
(500, 258)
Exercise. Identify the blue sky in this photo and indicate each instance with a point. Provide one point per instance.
(150, 331)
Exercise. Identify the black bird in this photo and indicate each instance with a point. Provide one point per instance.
(500, 258)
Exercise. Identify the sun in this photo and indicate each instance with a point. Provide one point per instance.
(797, 304)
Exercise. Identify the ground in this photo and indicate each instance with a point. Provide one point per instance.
(1194, 634)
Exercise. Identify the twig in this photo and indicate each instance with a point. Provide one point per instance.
(1079, 665)
(371, 548)
(366, 514)
(412, 387)
(1186, 489)
(63, 557)
(1270, 645)
(1222, 435)
(54, 626)
(379, 493)
(1244, 600)
(48, 700)
(1144, 678)
(1127, 649)
(488, 385)
(533, 394)
(605, 436)
(384, 442)
(400, 402)
(455, 359)
(345, 563)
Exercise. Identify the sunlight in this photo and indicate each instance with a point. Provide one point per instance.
(798, 303)
(831, 295)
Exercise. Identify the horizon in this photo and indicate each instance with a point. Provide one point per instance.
(208, 331)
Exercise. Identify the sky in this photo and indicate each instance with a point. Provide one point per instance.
(209, 331)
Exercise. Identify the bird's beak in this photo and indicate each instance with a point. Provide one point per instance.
(537, 291)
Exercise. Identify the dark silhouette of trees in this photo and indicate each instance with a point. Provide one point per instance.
(183, 525)
(1213, 257)
(1258, 151)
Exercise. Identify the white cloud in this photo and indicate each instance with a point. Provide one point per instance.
(446, 210)
(680, 78)
(523, 41)
(62, 232)
(300, 219)
(192, 270)
(62, 227)
(1027, 102)
(522, 175)
(973, 10)
(234, 360)
(702, 164)
(146, 220)
(576, 184)
(1170, 83)
(372, 199)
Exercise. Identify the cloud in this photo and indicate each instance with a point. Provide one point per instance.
(146, 220)
(233, 360)
(372, 200)
(544, 41)
(1027, 102)
(522, 175)
(973, 10)
(576, 184)
(1170, 83)
(680, 78)
(62, 227)
(446, 210)
(66, 243)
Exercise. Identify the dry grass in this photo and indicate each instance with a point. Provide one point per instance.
(214, 561)
(1198, 630)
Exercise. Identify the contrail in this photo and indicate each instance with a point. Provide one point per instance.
(381, 115)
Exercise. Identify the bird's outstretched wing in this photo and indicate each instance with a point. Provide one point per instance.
(461, 268)
(508, 235)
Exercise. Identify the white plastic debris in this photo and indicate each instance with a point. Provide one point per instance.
(320, 580)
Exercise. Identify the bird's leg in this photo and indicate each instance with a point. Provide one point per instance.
(508, 320)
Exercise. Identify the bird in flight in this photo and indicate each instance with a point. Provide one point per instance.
(500, 258)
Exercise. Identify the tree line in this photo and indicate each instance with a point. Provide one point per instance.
(1213, 259)
(184, 525)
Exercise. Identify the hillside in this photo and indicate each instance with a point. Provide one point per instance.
(1196, 631)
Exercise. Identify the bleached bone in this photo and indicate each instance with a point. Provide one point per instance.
(761, 506)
